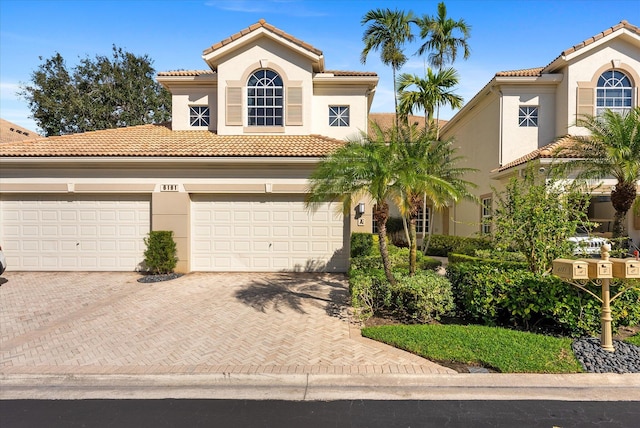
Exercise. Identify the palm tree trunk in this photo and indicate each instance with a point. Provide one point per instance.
(384, 253)
(622, 199)
(381, 214)
(395, 96)
(413, 246)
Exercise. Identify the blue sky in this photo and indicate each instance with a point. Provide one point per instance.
(505, 35)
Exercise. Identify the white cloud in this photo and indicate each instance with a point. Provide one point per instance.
(285, 7)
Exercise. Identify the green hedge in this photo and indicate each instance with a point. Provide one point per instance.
(510, 296)
(463, 258)
(442, 245)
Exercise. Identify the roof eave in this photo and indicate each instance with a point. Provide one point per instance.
(168, 81)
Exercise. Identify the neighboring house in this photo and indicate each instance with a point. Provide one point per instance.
(522, 115)
(10, 132)
(228, 175)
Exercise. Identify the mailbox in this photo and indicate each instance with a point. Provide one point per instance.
(625, 268)
(599, 269)
(571, 269)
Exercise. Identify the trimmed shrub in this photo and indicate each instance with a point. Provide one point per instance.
(419, 298)
(463, 258)
(508, 296)
(160, 255)
(422, 297)
(442, 245)
(361, 244)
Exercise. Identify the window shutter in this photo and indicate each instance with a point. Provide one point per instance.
(234, 106)
(585, 102)
(294, 106)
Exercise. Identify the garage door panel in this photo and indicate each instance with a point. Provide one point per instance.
(74, 232)
(265, 233)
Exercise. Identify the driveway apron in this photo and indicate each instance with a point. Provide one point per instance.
(109, 323)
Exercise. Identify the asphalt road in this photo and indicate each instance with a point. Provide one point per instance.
(354, 413)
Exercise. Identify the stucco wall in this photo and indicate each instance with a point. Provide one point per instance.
(477, 137)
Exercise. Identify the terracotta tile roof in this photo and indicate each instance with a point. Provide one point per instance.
(194, 73)
(352, 73)
(261, 24)
(387, 120)
(546, 152)
(10, 132)
(527, 72)
(160, 140)
(622, 24)
(185, 73)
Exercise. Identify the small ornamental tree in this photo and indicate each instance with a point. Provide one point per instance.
(160, 255)
(536, 214)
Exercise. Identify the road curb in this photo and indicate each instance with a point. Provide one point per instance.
(300, 387)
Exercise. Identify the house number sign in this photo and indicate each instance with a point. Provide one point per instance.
(168, 187)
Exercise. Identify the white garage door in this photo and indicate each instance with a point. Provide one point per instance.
(265, 233)
(75, 232)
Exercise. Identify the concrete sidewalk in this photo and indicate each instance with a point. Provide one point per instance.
(228, 335)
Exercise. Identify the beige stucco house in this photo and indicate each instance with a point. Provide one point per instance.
(521, 115)
(228, 175)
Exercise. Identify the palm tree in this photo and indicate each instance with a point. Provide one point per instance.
(442, 42)
(612, 149)
(387, 32)
(444, 37)
(431, 92)
(425, 168)
(358, 169)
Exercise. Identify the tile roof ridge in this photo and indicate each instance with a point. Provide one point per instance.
(622, 24)
(262, 23)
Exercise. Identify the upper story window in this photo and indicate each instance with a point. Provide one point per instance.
(338, 115)
(613, 92)
(528, 116)
(265, 99)
(199, 116)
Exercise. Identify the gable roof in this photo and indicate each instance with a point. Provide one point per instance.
(10, 132)
(212, 54)
(621, 26)
(542, 72)
(160, 141)
(252, 28)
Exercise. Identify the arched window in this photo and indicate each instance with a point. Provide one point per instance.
(613, 92)
(264, 99)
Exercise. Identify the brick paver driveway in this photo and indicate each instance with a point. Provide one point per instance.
(98, 322)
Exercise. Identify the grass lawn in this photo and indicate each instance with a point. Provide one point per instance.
(634, 340)
(504, 350)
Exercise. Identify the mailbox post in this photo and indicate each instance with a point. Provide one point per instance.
(601, 270)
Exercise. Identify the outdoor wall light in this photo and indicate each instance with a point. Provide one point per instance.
(360, 208)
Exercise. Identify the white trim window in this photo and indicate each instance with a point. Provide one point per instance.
(528, 116)
(421, 220)
(338, 115)
(613, 92)
(485, 215)
(199, 116)
(265, 96)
